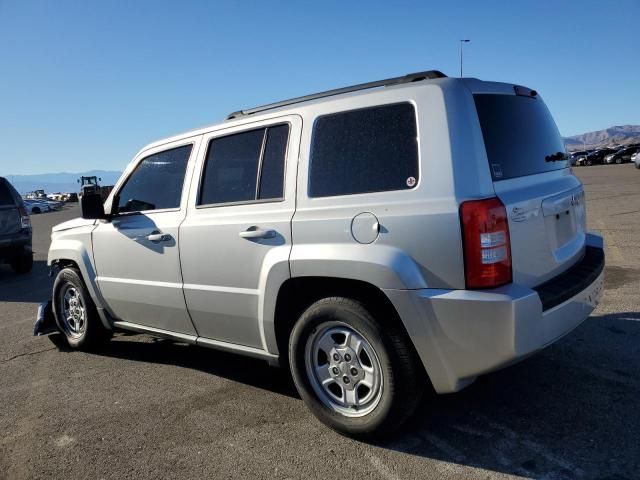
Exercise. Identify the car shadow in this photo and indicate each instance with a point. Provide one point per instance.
(34, 286)
(249, 371)
(569, 412)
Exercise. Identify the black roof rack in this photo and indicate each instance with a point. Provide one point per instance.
(411, 77)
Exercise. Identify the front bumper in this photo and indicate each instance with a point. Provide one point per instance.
(45, 320)
(468, 333)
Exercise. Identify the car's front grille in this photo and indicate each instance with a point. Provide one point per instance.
(573, 281)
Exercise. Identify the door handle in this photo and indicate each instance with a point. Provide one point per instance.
(256, 232)
(156, 237)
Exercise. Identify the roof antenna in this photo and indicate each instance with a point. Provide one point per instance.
(461, 42)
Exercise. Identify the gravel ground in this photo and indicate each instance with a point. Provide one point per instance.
(147, 408)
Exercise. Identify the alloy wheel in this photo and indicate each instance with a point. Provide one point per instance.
(343, 369)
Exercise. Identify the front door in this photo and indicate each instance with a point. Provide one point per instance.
(236, 239)
(136, 253)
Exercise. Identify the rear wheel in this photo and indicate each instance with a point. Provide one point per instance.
(75, 312)
(356, 376)
(23, 263)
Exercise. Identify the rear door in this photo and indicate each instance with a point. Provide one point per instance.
(236, 239)
(10, 221)
(544, 200)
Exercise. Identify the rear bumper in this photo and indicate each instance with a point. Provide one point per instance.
(460, 334)
(14, 246)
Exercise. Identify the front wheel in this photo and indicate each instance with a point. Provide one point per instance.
(75, 312)
(618, 161)
(356, 376)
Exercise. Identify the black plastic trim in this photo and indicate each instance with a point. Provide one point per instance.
(573, 281)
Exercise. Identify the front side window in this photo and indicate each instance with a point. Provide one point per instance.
(245, 167)
(366, 150)
(156, 183)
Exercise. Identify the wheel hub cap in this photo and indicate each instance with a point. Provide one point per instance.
(343, 369)
(73, 311)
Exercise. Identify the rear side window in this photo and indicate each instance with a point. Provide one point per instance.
(156, 183)
(6, 197)
(245, 167)
(272, 172)
(519, 134)
(366, 150)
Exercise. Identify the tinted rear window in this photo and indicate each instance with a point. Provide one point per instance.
(366, 150)
(237, 163)
(519, 133)
(272, 174)
(6, 198)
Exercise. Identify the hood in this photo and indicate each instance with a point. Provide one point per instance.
(75, 223)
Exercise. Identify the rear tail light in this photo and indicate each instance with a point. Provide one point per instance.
(487, 251)
(25, 221)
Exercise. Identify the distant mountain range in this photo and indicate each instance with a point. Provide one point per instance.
(59, 182)
(618, 135)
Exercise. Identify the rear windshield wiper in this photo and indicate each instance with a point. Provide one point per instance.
(556, 157)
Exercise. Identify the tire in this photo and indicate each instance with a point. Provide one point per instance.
(589, 163)
(638, 165)
(75, 312)
(23, 264)
(384, 359)
(618, 161)
(35, 210)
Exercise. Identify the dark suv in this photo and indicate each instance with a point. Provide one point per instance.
(621, 156)
(597, 157)
(15, 230)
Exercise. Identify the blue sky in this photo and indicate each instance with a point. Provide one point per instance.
(85, 85)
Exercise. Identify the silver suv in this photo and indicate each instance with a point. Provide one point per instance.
(376, 239)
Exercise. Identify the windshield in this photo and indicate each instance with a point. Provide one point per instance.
(520, 136)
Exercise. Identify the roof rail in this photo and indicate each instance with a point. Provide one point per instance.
(411, 77)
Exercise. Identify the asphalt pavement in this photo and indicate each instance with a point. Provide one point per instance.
(145, 408)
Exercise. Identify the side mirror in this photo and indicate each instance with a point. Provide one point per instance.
(91, 207)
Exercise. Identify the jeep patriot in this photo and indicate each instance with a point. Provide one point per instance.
(378, 240)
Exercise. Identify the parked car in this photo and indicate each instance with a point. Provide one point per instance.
(597, 157)
(15, 230)
(54, 204)
(581, 158)
(36, 206)
(575, 156)
(338, 235)
(621, 156)
(635, 158)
